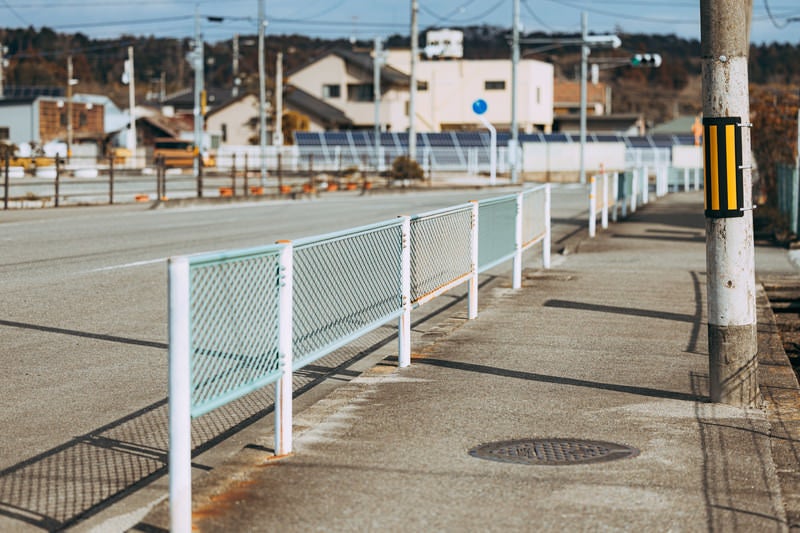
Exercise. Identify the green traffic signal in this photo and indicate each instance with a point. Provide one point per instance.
(646, 60)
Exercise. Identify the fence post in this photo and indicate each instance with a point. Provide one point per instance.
(111, 179)
(58, 178)
(473, 280)
(233, 176)
(180, 420)
(283, 388)
(516, 282)
(547, 227)
(604, 212)
(199, 175)
(795, 197)
(5, 181)
(634, 189)
(645, 185)
(615, 196)
(404, 333)
(592, 206)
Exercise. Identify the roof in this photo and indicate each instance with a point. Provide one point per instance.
(680, 125)
(184, 99)
(363, 62)
(316, 108)
(170, 126)
(569, 92)
(30, 93)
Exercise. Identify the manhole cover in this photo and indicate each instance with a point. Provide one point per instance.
(552, 451)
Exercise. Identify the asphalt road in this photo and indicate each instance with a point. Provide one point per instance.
(83, 333)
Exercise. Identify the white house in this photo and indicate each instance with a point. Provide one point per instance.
(446, 89)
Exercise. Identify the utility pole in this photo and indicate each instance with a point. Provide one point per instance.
(513, 146)
(730, 263)
(235, 66)
(3, 65)
(584, 61)
(412, 99)
(277, 136)
(262, 96)
(377, 61)
(198, 63)
(131, 104)
(69, 106)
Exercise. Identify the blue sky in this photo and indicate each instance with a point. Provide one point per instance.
(366, 19)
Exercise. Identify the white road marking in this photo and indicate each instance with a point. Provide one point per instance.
(130, 265)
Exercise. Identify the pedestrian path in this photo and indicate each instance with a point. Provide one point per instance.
(606, 349)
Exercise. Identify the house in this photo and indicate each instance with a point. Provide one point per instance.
(599, 118)
(343, 79)
(235, 122)
(40, 117)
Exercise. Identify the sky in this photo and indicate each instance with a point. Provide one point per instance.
(367, 19)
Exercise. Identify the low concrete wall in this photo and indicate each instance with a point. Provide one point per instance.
(560, 162)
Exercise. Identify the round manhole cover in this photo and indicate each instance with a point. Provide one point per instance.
(553, 452)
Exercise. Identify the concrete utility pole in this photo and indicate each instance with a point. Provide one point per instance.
(69, 106)
(412, 99)
(277, 135)
(584, 61)
(235, 66)
(513, 147)
(377, 61)
(262, 96)
(132, 104)
(198, 63)
(3, 64)
(730, 263)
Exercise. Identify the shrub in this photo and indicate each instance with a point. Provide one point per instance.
(404, 168)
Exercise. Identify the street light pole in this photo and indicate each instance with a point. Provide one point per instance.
(584, 61)
(730, 262)
(412, 109)
(513, 146)
(262, 96)
(69, 107)
(376, 89)
(198, 92)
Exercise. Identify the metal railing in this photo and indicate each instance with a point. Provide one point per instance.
(241, 320)
(789, 195)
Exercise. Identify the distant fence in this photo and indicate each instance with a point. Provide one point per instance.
(244, 319)
(789, 196)
(614, 195)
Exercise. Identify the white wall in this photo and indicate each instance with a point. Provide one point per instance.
(687, 156)
(561, 161)
(19, 119)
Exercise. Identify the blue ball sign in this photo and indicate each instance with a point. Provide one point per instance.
(479, 106)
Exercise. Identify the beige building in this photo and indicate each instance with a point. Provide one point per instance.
(446, 90)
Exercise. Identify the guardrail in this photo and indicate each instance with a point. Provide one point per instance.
(242, 320)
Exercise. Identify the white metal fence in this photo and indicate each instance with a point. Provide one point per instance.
(244, 319)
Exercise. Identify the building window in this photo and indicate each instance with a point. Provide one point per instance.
(360, 92)
(224, 129)
(5, 133)
(494, 85)
(422, 85)
(62, 119)
(83, 120)
(331, 91)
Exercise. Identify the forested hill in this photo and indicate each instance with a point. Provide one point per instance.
(39, 58)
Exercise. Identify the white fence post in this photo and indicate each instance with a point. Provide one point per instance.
(604, 212)
(615, 196)
(592, 206)
(283, 388)
(516, 282)
(645, 185)
(546, 241)
(634, 189)
(404, 326)
(180, 418)
(473, 281)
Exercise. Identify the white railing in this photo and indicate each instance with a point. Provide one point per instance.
(244, 319)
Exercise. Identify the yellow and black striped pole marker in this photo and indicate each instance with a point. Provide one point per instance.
(723, 176)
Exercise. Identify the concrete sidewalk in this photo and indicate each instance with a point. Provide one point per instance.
(609, 345)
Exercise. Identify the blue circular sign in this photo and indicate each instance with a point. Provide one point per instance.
(479, 106)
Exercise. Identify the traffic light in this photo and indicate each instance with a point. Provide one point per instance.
(646, 60)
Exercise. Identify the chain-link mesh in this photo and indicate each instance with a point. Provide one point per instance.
(233, 326)
(344, 285)
(497, 227)
(440, 249)
(533, 216)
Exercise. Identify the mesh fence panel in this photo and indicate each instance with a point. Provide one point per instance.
(344, 285)
(233, 326)
(440, 249)
(497, 222)
(533, 220)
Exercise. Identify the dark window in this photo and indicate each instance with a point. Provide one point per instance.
(494, 85)
(62, 119)
(331, 91)
(361, 92)
(224, 129)
(82, 119)
(5, 134)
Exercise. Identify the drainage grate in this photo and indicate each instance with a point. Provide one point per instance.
(553, 452)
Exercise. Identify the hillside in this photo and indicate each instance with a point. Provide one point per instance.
(39, 58)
